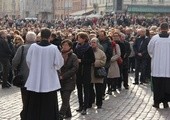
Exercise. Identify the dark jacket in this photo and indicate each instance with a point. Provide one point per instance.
(57, 42)
(108, 50)
(140, 46)
(126, 55)
(5, 51)
(84, 71)
(68, 72)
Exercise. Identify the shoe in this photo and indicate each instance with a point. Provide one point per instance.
(83, 112)
(79, 109)
(110, 92)
(103, 97)
(90, 106)
(6, 86)
(67, 116)
(113, 90)
(156, 105)
(126, 87)
(99, 107)
(119, 89)
(136, 83)
(165, 104)
(61, 117)
(141, 83)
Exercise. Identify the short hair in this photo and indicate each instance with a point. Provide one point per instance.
(164, 26)
(53, 35)
(83, 35)
(17, 32)
(45, 33)
(2, 32)
(103, 31)
(30, 36)
(69, 42)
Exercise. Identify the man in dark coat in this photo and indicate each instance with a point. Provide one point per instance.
(125, 65)
(5, 54)
(55, 40)
(140, 49)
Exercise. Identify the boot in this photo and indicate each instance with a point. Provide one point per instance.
(165, 104)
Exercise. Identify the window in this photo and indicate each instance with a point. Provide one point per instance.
(161, 1)
(134, 1)
(149, 1)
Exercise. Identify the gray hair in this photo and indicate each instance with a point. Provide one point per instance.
(31, 36)
(98, 43)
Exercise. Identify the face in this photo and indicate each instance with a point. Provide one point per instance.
(93, 44)
(4, 35)
(141, 32)
(17, 40)
(66, 47)
(80, 40)
(116, 37)
(101, 35)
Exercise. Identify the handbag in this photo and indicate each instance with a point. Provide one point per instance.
(100, 72)
(119, 60)
(18, 79)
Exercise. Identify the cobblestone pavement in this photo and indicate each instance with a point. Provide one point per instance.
(132, 104)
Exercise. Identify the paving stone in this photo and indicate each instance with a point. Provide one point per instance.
(132, 104)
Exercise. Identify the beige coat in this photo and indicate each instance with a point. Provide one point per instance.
(113, 71)
(100, 60)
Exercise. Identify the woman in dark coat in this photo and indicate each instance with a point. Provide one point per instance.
(67, 77)
(86, 58)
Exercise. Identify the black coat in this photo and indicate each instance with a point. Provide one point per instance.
(57, 42)
(68, 72)
(140, 46)
(108, 50)
(126, 55)
(84, 71)
(5, 51)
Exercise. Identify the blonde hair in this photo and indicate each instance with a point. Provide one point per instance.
(18, 37)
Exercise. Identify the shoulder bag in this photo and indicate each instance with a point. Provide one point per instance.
(18, 79)
(100, 72)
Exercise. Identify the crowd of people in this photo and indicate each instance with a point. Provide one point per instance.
(58, 59)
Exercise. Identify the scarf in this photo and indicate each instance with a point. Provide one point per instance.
(81, 49)
(65, 54)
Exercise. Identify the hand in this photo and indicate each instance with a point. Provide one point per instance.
(140, 54)
(79, 60)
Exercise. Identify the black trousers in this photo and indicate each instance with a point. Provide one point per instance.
(83, 90)
(112, 83)
(41, 106)
(96, 94)
(123, 77)
(131, 63)
(140, 66)
(24, 97)
(120, 79)
(161, 89)
(65, 107)
(148, 68)
(6, 66)
(104, 83)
